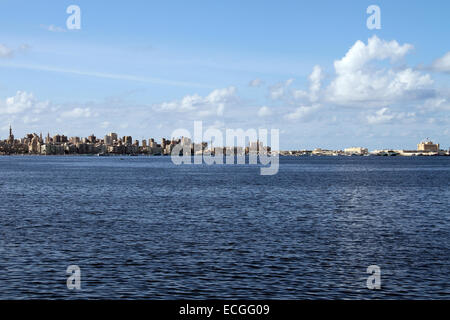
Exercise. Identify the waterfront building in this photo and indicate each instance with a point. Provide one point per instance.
(356, 150)
(113, 136)
(428, 146)
(34, 146)
(92, 138)
(127, 140)
(57, 139)
(108, 140)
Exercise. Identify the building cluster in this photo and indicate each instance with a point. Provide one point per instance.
(112, 144)
(424, 148)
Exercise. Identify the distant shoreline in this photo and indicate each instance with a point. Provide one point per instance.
(167, 155)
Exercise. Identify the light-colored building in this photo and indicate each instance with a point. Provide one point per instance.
(108, 140)
(34, 146)
(428, 146)
(356, 150)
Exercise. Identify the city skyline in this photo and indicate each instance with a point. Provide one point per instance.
(113, 143)
(387, 87)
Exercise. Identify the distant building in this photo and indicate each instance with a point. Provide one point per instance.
(356, 150)
(108, 140)
(185, 141)
(34, 146)
(428, 146)
(11, 136)
(113, 136)
(92, 138)
(256, 146)
(127, 140)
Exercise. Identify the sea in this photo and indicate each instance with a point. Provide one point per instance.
(145, 228)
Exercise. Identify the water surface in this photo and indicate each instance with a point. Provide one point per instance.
(141, 227)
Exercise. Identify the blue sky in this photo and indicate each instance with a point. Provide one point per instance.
(146, 68)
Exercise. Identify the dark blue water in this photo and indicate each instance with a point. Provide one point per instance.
(141, 227)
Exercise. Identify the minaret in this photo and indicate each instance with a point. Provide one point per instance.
(11, 136)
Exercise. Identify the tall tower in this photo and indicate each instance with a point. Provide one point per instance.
(11, 136)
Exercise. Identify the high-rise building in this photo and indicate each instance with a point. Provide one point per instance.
(127, 140)
(108, 140)
(113, 136)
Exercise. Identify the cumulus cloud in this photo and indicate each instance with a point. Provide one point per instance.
(279, 90)
(78, 113)
(212, 104)
(22, 102)
(358, 83)
(264, 112)
(302, 112)
(442, 64)
(315, 83)
(436, 104)
(385, 115)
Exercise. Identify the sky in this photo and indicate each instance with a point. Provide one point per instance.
(311, 69)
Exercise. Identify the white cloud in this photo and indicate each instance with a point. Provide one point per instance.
(256, 83)
(376, 49)
(212, 104)
(5, 52)
(385, 115)
(78, 113)
(278, 90)
(315, 83)
(264, 112)
(22, 102)
(436, 104)
(301, 113)
(358, 83)
(442, 64)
